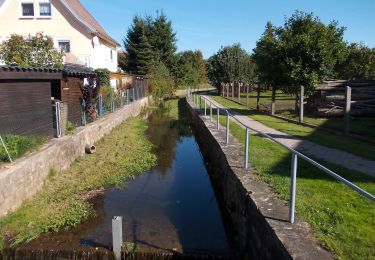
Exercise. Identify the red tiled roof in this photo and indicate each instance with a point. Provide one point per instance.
(81, 13)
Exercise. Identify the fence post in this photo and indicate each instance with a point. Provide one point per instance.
(117, 236)
(205, 107)
(100, 105)
(133, 95)
(348, 101)
(210, 111)
(301, 103)
(218, 115)
(239, 93)
(113, 102)
(293, 180)
(122, 99)
(247, 96)
(6, 150)
(247, 148)
(227, 130)
(58, 119)
(258, 96)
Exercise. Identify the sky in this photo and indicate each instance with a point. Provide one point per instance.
(209, 24)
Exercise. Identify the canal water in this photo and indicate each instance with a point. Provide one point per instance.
(172, 207)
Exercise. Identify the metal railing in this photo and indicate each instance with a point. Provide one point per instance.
(197, 99)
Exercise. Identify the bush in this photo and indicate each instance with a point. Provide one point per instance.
(160, 81)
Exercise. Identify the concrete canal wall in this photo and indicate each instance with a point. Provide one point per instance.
(23, 178)
(257, 218)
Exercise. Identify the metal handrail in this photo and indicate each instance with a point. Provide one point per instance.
(295, 154)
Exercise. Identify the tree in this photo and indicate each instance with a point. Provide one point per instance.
(190, 69)
(358, 64)
(135, 41)
(269, 58)
(162, 39)
(312, 50)
(31, 51)
(231, 64)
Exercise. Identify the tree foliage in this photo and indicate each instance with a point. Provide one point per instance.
(359, 63)
(190, 69)
(231, 64)
(31, 51)
(302, 52)
(149, 41)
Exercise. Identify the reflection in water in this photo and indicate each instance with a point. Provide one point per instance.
(171, 207)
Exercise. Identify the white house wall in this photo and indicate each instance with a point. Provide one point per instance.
(61, 25)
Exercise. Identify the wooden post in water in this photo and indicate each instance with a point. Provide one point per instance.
(301, 103)
(348, 102)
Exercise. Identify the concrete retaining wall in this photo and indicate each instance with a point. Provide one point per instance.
(257, 218)
(23, 178)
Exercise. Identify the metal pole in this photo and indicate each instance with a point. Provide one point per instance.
(133, 94)
(117, 236)
(293, 181)
(58, 119)
(218, 114)
(210, 111)
(6, 150)
(227, 130)
(247, 148)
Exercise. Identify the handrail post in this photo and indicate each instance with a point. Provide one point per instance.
(227, 130)
(247, 148)
(218, 115)
(210, 111)
(293, 180)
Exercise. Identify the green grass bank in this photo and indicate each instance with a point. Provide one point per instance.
(64, 200)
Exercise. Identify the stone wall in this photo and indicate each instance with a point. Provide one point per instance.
(257, 219)
(23, 178)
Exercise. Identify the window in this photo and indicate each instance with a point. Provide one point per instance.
(27, 9)
(64, 46)
(45, 9)
(111, 54)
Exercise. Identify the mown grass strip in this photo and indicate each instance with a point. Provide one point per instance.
(315, 135)
(341, 219)
(62, 202)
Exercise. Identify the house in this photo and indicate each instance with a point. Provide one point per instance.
(71, 26)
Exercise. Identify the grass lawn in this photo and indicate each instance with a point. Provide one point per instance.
(341, 219)
(315, 135)
(62, 202)
(360, 125)
(18, 145)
